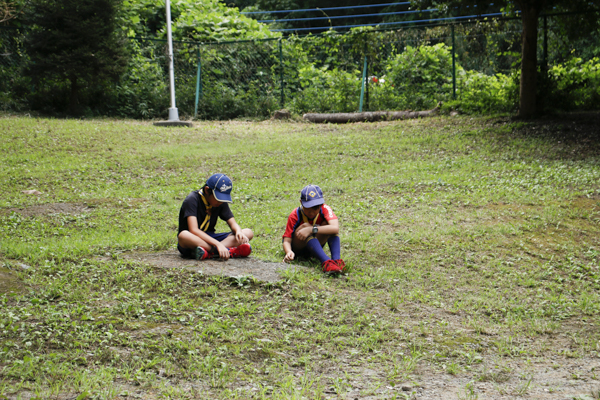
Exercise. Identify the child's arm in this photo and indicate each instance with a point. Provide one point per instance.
(331, 227)
(193, 228)
(287, 249)
(304, 231)
(237, 231)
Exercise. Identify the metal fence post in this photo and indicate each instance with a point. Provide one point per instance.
(362, 86)
(198, 83)
(281, 72)
(367, 81)
(545, 49)
(453, 64)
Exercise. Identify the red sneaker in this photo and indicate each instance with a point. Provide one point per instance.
(331, 267)
(201, 254)
(243, 250)
(340, 263)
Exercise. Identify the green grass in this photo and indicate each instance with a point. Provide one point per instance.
(471, 242)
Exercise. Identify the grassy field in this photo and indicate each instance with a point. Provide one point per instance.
(473, 246)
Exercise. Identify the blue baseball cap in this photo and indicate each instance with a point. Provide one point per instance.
(311, 196)
(221, 186)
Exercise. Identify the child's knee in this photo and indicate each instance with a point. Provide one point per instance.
(182, 236)
(248, 232)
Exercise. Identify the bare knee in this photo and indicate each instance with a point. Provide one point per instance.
(248, 232)
(183, 237)
(188, 240)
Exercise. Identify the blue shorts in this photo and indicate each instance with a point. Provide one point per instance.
(191, 253)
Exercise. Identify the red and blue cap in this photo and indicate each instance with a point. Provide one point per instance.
(311, 196)
(221, 186)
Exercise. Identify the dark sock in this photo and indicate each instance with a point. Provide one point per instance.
(334, 246)
(316, 250)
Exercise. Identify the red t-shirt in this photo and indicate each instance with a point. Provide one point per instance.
(297, 218)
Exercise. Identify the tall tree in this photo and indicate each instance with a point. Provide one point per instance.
(75, 41)
(10, 9)
(322, 14)
(530, 11)
(197, 20)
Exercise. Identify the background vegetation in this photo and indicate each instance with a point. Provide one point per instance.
(407, 68)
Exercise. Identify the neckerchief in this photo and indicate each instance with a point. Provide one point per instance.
(305, 218)
(206, 222)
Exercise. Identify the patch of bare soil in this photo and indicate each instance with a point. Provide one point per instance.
(9, 282)
(532, 379)
(47, 209)
(575, 135)
(535, 378)
(234, 267)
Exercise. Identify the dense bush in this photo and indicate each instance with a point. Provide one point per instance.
(417, 78)
(196, 20)
(575, 84)
(222, 102)
(320, 74)
(422, 75)
(75, 48)
(143, 91)
(481, 93)
(323, 90)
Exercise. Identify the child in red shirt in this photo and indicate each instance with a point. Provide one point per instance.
(309, 227)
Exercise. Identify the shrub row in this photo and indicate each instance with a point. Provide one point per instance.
(414, 77)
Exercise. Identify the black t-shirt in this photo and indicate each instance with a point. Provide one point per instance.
(193, 206)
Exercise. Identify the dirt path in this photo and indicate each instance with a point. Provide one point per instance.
(260, 270)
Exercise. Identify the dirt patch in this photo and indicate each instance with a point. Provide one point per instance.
(574, 135)
(9, 282)
(261, 270)
(47, 209)
(534, 379)
(72, 208)
(591, 203)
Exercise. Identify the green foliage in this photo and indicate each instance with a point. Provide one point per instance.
(12, 82)
(422, 75)
(323, 90)
(11, 9)
(223, 102)
(238, 80)
(481, 93)
(142, 91)
(382, 95)
(576, 84)
(74, 43)
(206, 20)
(407, 69)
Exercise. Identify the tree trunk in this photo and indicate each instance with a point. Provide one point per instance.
(529, 14)
(73, 102)
(341, 118)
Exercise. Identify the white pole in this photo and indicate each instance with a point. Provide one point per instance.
(173, 114)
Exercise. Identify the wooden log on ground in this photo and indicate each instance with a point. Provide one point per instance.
(342, 118)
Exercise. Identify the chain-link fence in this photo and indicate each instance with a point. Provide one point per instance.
(411, 68)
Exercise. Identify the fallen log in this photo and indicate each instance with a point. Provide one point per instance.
(342, 118)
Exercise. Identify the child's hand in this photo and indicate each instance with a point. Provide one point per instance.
(223, 251)
(304, 233)
(289, 256)
(241, 238)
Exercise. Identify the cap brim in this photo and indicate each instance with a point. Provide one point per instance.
(312, 203)
(222, 197)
